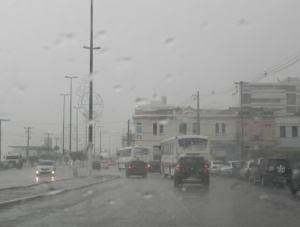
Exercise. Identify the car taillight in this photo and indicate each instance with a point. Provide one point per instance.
(129, 167)
(205, 166)
(148, 166)
(178, 167)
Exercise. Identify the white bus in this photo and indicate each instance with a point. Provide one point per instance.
(185, 145)
(124, 155)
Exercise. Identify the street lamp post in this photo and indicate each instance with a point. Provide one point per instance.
(76, 107)
(91, 48)
(63, 143)
(70, 142)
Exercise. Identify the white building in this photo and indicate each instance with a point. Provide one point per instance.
(287, 131)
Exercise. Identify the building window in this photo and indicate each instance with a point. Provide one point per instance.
(217, 128)
(223, 128)
(161, 129)
(268, 130)
(256, 130)
(139, 128)
(182, 128)
(294, 131)
(282, 131)
(154, 128)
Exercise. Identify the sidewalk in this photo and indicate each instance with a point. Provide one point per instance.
(47, 187)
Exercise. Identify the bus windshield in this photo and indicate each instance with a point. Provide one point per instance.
(124, 153)
(192, 144)
(141, 151)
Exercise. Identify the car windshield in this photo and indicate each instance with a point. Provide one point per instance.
(45, 163)
(116, 81)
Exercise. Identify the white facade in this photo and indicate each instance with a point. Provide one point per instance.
(287, 131)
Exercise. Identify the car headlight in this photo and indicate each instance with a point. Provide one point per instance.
(37, 172)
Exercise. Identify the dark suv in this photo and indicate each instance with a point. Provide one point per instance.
(137, 168)
(191, 170)
(275, 169)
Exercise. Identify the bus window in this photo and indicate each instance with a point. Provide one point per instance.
(141, 151)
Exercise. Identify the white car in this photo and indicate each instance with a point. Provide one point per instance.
(215, 166)
(45, 167)
(245, 171)
(227, 169)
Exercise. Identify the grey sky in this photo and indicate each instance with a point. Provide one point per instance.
(149, 48)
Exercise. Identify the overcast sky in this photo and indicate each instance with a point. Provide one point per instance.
(148, 49)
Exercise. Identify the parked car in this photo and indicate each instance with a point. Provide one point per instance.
(4, 165)
(236, 167)
(226, 170)
(215, 166)
(245, 170)
(45, 167)
(275, 169)
(136, 168)
(96, 165)
(295, 182)
(154, 166)
(191, 170)
(104, 164)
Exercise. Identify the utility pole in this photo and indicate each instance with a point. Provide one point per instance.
(198, 112)
(91, 48)
(241, 83)
(27, 150)
(76, 107)
(48, 142)
(128, 142)
(1, 137)
(63, 141)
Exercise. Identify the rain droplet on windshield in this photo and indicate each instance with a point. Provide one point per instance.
(164, 122)
(147, 196)
(140, 101)
(262, 197)
(183, 189)
(100, 34)
(243, 24)
(170, 42)
(169, 78)
(117, 88)
(111, 202)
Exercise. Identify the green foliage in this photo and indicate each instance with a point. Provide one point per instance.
(293, 154)
(78, 155)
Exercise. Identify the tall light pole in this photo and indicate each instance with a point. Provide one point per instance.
(242, 122)
(70, 142)
(76, 107)
(63, 140)
(1, 136)
(91, 48)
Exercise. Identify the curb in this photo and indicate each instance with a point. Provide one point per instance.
(56, 192)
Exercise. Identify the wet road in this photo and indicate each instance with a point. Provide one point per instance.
(26, 176)
(155, 202)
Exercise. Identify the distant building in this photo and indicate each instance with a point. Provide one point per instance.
(258, 129)
(155, 123)
(283, 97)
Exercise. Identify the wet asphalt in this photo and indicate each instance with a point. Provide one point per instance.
(155, 202)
